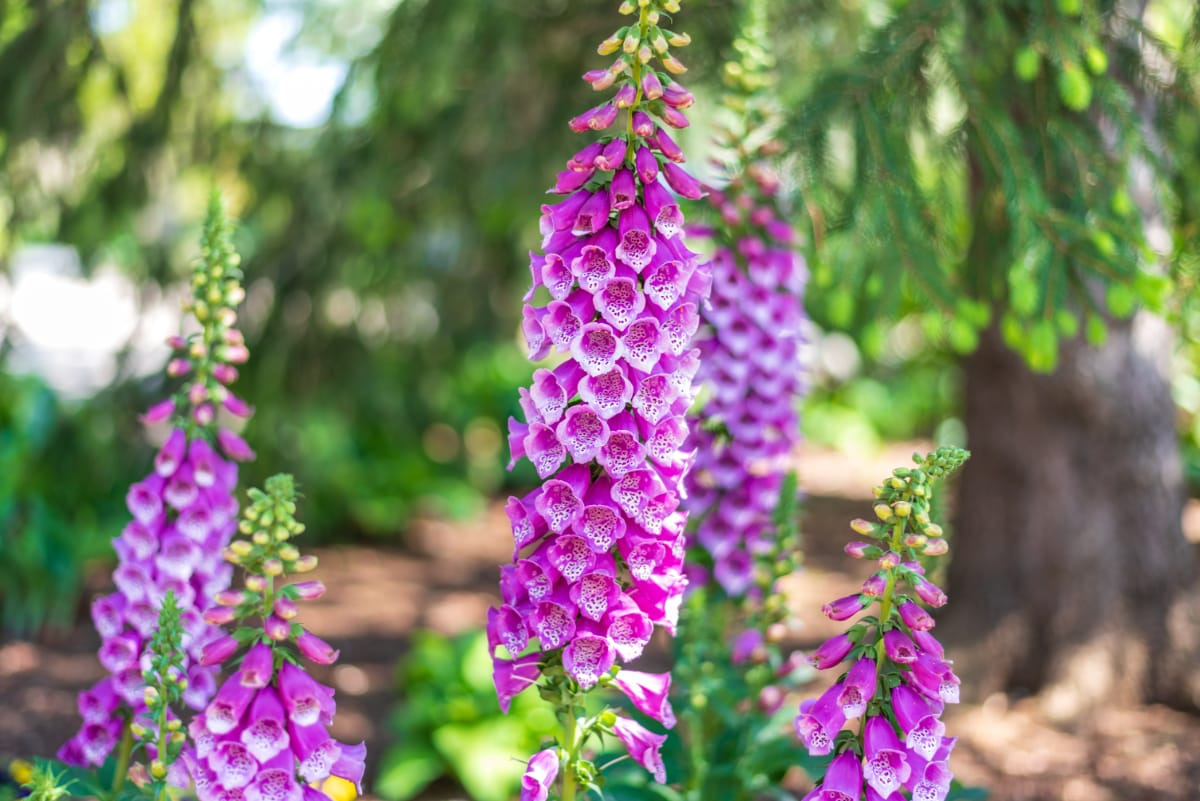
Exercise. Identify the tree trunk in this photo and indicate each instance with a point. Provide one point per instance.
(1071, 574)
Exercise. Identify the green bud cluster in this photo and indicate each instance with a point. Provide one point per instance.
(165, 681)
(907, 496)
(268, 523)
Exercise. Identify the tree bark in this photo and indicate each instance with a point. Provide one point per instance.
(1071, 575)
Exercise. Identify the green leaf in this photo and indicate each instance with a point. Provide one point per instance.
(1025, 63)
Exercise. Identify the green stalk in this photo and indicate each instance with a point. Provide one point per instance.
(885, 601)
(569, 737)
(637, 84)
(124, 757)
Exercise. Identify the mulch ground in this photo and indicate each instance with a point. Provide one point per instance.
(445, 578)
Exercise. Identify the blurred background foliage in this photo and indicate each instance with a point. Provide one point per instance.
(386, 159)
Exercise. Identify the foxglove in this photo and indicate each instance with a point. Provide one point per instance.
(265, 736)
(898, 681)
(183, 513)
(598, 547)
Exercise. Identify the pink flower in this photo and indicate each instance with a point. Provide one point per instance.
(539, 775)
(643, 745)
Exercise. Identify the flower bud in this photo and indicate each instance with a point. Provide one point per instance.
(889, 560)
(883, 512)
(256, 583)
(679, 40)
(673, 65)
(305, 563)
(902, 508)
(863, 527)
(272, 567)
(217, 651)
(875, 585)
(229, 597)
(933, 530)
(220, 615)
(157, 769)
(831, 652)
(261, 538)
(609, 46)
(316, 649)
(857, 549)
(936, 548)
(286, 608)
(308, 590)
(914, 540)
(289, 553)
(277, 628)
(843, 608)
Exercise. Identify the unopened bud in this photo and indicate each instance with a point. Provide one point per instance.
(149, 695)
(261, 537)
(889, 560)
(915, 540)
(902, 508)
(673, 65)
(174, 725)
(273, 567)
(178, 737)
(626, 7)
(862, 526)
(609, 46)
(245, 526)
(289, 553)
(659, 43)
(229, 597)
(933, 530)
(138, 730)
(679, 40)
(883, 512)
(936, 548)
(305, 563)
(281, 534)
(644, 54)
(895, 483)
(630, 45)
(256, 583)
(652, 17)
(157, 769)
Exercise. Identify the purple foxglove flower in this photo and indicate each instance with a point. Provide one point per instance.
(171, 455)
(612, 155)
(159, 412)
(661, 141)
(662, 210)
(858, 550)
(216, 652)
(652, 88)
(225, 711)
(257, 668)
(649, 692)
(514, 676)
(622, 191)
(819, 722)
(843, 780)
(642, 125)
(540, 773)
(570, 180)
(915, 617)
(928, 643)
(922, 729)
(886, 767)
(646, 165)
(316, 649)
(587, 657)
(899, 647)
(929, 592)
(305, 700)
(858, 688)
(234, 446)
(831, 652)
(675, 118)
(643, 745)
(875, 585)
(843, 608)
(682, 181)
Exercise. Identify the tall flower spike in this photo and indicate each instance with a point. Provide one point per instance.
(898, 681)
(742, 492)
(599, 546)
(265, 737)
(750, 338)
(183, 513)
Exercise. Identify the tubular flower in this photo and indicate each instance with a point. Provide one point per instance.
(183, 513)
(899, 680)
(598, 547)
(265, 736)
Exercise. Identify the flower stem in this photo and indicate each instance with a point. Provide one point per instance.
(569, 737)
(124, 756)
(637, 84)
(885, 601)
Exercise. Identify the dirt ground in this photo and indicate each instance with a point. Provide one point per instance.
(445, 579)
